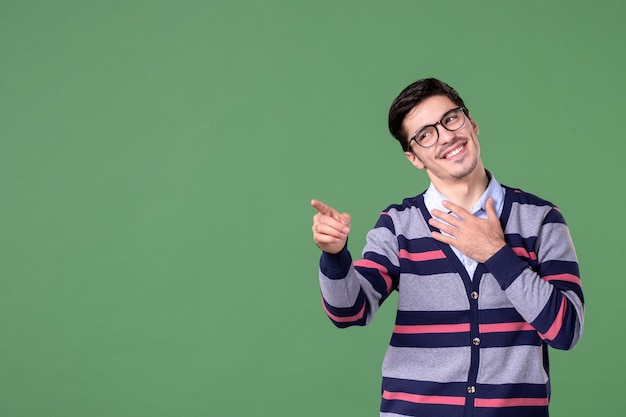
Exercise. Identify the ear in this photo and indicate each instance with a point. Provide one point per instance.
(474, 125)
(414, 160)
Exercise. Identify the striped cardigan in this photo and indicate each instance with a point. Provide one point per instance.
(464, 347)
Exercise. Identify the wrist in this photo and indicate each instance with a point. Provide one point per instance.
(505, 266)
(336, 265)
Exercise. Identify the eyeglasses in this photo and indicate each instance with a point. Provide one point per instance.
(429, 135)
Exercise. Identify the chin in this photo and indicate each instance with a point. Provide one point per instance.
(466, 171)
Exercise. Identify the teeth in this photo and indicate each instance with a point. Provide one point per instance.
(454, 152)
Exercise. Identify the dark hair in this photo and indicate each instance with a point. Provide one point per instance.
(411, 97)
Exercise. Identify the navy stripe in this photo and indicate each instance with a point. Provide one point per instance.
(545, 319)
(508, 339)
(555, 267)
(554, 216)
(529, 244)
(348, 312)
(419, 245)
(562, 267)
(420, 410)
(511, 391)
(522, 197)
(454, 389)
(500, 315)
(512, 412)
(406, 318)
(375, 278)
(387, 223)
(335, 266)
(432, 267)
(431, 340)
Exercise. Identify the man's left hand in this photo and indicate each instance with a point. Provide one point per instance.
(475, 237)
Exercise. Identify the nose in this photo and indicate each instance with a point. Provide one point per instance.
(444, 134)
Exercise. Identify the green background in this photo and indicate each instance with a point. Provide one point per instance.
(157, 159)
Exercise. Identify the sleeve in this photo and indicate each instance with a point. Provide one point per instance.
(352, 292)
(544, 285)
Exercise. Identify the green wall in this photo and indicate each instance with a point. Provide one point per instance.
(157, 159)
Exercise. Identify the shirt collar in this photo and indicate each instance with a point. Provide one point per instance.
(433, 199)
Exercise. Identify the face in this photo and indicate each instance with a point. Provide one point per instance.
(455, 156)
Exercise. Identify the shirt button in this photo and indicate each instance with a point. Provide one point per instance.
(474, 295)
(471, 389)
(476, 341)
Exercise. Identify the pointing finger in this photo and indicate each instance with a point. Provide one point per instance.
(446, 217)
(325, 209)
(456, 209)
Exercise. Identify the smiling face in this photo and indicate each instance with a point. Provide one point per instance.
(455, 157)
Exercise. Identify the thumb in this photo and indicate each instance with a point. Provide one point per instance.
(491, 209)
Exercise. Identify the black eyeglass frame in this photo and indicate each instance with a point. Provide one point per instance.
(440, 122)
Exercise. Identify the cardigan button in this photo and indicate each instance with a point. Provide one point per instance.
(474, 295)
(471, 389)
(476, 341)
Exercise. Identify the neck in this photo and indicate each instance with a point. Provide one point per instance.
(464, 191)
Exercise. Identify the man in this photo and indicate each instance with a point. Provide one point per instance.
(487, 276)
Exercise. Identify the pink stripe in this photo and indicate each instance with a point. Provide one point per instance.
(338, 319)
(422, 256)
(564, 277)
(558, 322)
(423, 399)
(510, 402)
(505, 327)
(366, 263)
(523, 252)
(431, 328)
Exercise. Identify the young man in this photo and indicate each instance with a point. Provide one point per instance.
(487, 276)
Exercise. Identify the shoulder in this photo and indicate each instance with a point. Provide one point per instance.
(408, 205)
(403, 216)
(520, 196)
(532, 205)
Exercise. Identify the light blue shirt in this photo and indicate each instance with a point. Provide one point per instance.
(433, 199)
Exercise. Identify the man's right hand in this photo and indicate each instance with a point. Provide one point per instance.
(330, 228)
